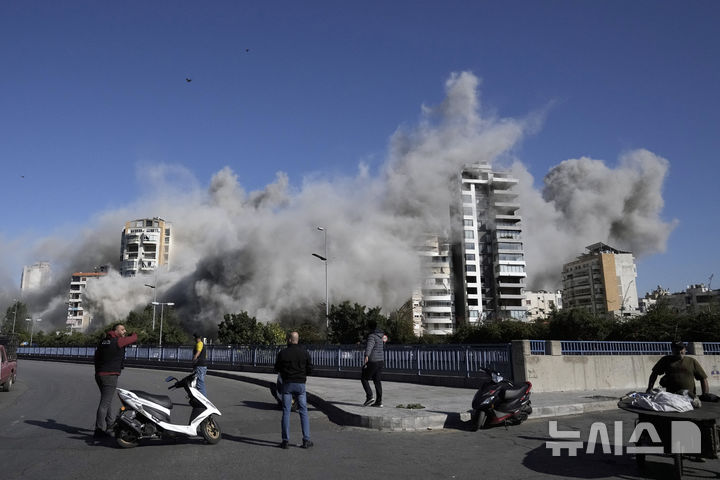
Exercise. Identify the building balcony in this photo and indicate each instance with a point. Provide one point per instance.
(446, 310)
(508, 218)
(511, 296)
(437, 298)
(132, 239)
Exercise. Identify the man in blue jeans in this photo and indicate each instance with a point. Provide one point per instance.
(294, 365)
(200, 367)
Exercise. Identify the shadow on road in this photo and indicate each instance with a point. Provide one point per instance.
(260, 405)
(84, 434)
(250, 441)
(606, 465)
(54, 425)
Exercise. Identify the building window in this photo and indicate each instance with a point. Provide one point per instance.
(469, 246)
(469, 234)
(467, 211)
(470, 268)
(468, 223)
(466, 198)
(470, 257)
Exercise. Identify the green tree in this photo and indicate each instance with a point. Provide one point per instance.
(349, 323)
(242, 329)
(579, 324)
(140, 322)
(308, 321)
(399, 325)
(16, 313)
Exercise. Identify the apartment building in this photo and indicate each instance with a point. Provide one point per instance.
(488, 255)
(145, 245)
(79, 318)
(602, 280)
(433, 300)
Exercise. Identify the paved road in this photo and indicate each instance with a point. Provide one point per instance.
(46, 425)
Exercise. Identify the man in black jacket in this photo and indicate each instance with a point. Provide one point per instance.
(109, 356)
(294, 365)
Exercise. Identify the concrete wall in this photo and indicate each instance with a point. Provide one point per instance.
(555, 372)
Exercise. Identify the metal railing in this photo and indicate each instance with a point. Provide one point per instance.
(449, 360)
(537, 347)
(711, 348)
(588, 347)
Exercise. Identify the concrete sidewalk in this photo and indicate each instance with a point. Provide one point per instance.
(445, 407)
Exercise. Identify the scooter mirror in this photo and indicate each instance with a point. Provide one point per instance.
(171, 379)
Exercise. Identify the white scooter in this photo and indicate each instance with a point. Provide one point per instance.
(144, 415)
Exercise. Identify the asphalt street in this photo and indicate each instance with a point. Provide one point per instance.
(46, 424)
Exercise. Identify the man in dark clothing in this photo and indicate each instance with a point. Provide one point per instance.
(109, 357)
(294, 365)
(200, 367)
(680, 372)
(373, 365)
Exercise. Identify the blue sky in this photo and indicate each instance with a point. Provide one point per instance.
(93, 94)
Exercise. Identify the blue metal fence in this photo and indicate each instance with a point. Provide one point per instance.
(711, 348)
(537, 347)
(450, 360)
(614, 348)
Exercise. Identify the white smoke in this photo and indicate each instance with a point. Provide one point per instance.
(233, 250)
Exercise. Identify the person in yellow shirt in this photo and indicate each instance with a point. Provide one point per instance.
(200, 367)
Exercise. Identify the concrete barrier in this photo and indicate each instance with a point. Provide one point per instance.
(555, 372)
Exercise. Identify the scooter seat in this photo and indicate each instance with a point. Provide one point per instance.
(162, 400)
(514, 393)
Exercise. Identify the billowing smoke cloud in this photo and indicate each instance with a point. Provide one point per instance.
(234, 250)
(583, 201)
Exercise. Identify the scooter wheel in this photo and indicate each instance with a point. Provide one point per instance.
(126, 437)
(477, 420)
(210, 430)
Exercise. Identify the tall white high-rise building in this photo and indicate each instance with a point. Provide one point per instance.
(145, 244)
(433, 304)
(35, 276)
(488, 253)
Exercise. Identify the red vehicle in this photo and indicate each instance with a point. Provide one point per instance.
(8, 362)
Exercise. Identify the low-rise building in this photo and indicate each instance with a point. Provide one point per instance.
(694, 298)
(541, 303)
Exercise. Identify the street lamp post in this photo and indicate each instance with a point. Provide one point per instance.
(15, 315)
(162, 307)
(154, 302)
(32, 327)
(324, 258)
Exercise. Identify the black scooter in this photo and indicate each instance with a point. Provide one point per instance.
(499, 402)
